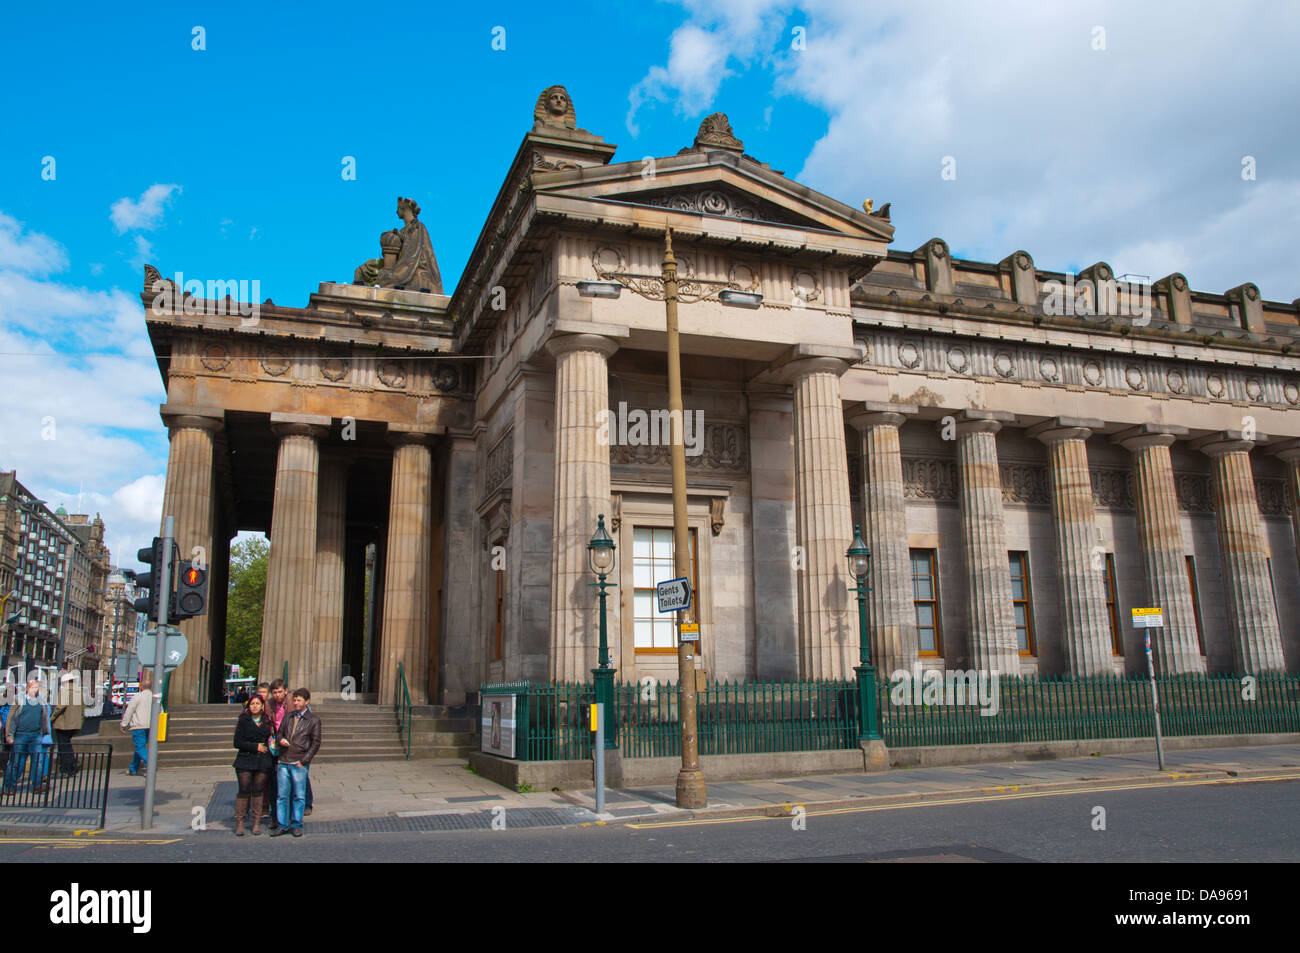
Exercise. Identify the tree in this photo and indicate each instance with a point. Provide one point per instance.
(247, 594)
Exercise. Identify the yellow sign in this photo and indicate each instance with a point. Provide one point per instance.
(594, 711)
(1146, 611)
(690, 627)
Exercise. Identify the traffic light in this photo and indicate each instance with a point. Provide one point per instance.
(191, 596)
(151, 582)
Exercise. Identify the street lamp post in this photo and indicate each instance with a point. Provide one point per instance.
(600, 556)
(859, 557)
(668, 287)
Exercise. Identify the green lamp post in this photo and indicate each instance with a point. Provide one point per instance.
(859, 557)
(600, 556)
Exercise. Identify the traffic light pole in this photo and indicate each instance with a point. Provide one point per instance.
(163, 595)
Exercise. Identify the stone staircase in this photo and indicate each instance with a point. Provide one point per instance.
(201, 735)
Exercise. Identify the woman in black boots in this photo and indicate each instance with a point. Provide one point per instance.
(252, 764)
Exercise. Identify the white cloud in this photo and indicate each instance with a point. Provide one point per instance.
(144, 213)
(30, 253)
(1130, 154)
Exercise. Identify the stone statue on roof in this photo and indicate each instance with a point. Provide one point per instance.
(408, 262)
(554, 108)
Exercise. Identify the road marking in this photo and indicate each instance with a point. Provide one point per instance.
(79, 843)
(963, 800)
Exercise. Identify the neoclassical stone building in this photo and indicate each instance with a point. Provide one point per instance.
(1024, 474)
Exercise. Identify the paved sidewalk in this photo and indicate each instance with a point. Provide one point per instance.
(425, 795)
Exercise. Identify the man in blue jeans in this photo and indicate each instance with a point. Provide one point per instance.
(299, 740)
(136, 720)
(26, 728)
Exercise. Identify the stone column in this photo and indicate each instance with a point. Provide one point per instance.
(991, 621)
(287, 614)
(581, 492)
(1290, 453)
(1079, 568)
(1174, 648)
(1243, 548)
(190, 499)
(406, 569)
(326, 658)
(828, 636)
(462, 639)
(890, 610)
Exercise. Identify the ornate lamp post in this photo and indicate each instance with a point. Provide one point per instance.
(600, 556)
(859, 557)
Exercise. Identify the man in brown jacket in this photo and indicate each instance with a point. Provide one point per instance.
(298, 739)
(69, 716)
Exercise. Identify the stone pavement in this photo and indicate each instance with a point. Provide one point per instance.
(381, 797)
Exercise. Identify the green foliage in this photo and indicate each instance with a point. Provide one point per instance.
(525, 788)
(248, 561)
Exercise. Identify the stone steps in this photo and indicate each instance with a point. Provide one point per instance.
(201, 735)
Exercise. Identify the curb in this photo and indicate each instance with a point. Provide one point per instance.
(990, 793)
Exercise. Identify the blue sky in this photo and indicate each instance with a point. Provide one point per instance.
(225, 162)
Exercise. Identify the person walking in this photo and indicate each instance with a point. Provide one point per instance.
(252, 764)
(299, 739)
(27, 728)
(136, 720)
(69, 716)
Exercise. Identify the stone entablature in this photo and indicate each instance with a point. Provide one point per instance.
(1076, 361)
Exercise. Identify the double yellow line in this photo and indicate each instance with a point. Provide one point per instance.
(947, 802)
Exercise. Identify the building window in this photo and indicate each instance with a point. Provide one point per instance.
(1112, 606)
(652, 562)
(925, 600)
(498, 639)
(1196, 602)
(1020, 601)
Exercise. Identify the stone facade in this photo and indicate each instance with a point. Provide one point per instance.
(1119, 445)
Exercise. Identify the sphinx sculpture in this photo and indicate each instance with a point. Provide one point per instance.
(408, 261)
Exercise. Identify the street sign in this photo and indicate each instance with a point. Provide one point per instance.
(690, 632)
(673, 595)
(1148, 619)
(175, 647)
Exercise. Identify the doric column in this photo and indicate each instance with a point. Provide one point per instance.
(326, 657)
(891, 612)
(992, 629)
(1290, 453)
(1086, 633)
(1243, 548)
(406, 571)
(581, 492)
(1174, 648)
(190, 499)
(828, 637)
(288, 613)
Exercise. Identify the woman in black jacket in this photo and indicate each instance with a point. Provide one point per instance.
(252, 764)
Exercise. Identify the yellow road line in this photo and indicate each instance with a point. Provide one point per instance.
(80, 842)
(950, 801)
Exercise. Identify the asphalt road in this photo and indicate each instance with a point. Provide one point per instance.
(1223, 822)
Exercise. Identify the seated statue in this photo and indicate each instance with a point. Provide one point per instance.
(408, 261)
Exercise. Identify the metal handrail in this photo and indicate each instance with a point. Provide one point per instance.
(404, 708)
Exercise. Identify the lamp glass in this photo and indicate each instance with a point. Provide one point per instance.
(859, 555)
(600, 551)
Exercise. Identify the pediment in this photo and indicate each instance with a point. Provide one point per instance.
(718, 185)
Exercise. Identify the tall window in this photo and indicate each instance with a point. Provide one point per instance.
(652, 562)
(1112, 606)
(925, 599)
(1024, 612)
(1196, 601)
(498, 639)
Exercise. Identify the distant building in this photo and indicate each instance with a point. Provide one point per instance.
(35, 549)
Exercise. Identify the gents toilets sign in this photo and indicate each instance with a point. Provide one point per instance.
(673, 595)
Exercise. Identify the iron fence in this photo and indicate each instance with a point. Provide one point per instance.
(61, 785)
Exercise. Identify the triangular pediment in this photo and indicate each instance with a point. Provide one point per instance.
(718, 185)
